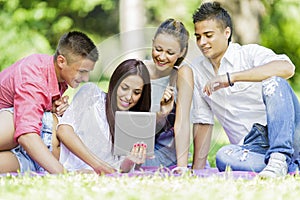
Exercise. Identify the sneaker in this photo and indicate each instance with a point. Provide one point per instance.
(277, 167)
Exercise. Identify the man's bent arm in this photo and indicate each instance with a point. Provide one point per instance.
(37, 150)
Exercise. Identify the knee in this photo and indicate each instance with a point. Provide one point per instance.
(273, 84)
(224, 156)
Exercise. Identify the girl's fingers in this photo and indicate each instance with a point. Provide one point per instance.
(138, 153)
(138, 149)
(167, 97)
(141, 154)
(134, 150)
(144, 152)
(170, 88)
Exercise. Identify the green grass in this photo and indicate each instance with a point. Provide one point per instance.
(88, 186)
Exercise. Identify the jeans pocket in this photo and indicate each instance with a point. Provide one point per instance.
(257, 139)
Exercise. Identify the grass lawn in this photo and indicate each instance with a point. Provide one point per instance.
(87, 186)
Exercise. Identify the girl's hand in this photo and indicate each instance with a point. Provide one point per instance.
(138, 153)
(104, 169)
(137, 156)
(60, 106)
(167, 101)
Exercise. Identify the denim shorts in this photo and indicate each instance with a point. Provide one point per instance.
(25, 161)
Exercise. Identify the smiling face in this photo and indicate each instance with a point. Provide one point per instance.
(212, 39)
(76, 71)
(165, 51)
(129, 92)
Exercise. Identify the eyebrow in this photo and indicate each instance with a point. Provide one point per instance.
(197, 34)
(170, 50)
(124, 84)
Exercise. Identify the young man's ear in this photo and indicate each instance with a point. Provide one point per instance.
(61, 61)
(227, 32)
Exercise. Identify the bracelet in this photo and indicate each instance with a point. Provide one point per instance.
(228, 77)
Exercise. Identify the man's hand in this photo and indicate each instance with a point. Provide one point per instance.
(59, 106)
(216, 83)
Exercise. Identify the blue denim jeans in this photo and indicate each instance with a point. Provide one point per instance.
(164, 150)
(283, 127)
(25, 161)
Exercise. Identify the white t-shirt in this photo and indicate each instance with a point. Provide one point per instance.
(86, 114)
(158, 87)
(237, 108)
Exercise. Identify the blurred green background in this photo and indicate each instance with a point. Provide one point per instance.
(34, 26)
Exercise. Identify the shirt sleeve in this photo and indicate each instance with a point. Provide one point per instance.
(87, 96)
(261, 55)
(30, 102)
(201, 112)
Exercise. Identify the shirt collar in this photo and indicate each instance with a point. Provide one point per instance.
(229, 54)
(205, 62)
(56, 89)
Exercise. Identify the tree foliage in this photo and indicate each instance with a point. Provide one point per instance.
(279, 31)
(34, 26)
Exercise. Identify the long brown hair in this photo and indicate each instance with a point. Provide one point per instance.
(125, 69)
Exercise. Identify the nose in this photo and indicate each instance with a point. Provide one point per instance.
(86, 77)
(202, 41)
(162, 56)
(128, 96)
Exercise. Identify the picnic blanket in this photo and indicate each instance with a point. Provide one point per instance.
(202, 173)
(165, 172)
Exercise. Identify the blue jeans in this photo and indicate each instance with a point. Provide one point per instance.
(25, 161)
(164, 150)
(283, 127)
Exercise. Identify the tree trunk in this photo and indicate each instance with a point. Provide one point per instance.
(246, 15)
(132, 22)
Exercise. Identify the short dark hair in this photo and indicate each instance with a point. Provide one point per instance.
(125, 69)
(213, 10)
(76, 43)
(177, 29)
